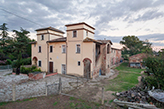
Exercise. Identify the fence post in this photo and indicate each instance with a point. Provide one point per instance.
(8, 67)
(13, 90)
(46, 88)
(60, 85)
(77, 83)
(102, 102)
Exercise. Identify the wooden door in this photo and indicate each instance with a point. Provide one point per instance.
(87, 69)
(51, 67)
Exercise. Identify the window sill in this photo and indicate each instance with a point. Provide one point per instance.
(77, 53)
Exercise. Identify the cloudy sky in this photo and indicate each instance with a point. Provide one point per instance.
(113, 19)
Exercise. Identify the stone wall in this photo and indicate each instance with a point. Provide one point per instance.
(25, 88)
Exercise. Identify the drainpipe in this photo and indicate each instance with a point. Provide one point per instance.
(66, 51)
(48, 52)
(66, 54)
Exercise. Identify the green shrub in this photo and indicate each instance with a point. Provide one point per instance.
(150, 81)
(33, 67)
(36, 70)
(156, 67)
(25, 70)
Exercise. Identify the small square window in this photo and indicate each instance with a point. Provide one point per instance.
(39, 63)
(78, 63)
(51, 49)
(42, 37)
(75, 33)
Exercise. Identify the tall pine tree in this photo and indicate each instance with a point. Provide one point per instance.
(20, 44)
(3, 34)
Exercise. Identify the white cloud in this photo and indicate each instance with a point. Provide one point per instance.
(115, 18)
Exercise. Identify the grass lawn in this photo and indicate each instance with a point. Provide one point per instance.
(127, 78)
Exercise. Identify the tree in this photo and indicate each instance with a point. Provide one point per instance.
(29, 47)
(132, 46)
(20, 44)
(155, 65)
(3, 34)
(161, 53)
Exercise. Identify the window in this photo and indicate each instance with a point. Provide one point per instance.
(63, 69)
(51, 49)
(63, 48)
(39, 49)
(86, 33)
(34, 45)
(108, 49)
(42, 37)
(39, 63)
(75, 33)
(78, 63)
(78, 48)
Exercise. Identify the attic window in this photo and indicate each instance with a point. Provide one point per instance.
(74, 33)
(42, 37)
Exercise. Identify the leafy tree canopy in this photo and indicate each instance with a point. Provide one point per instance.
(155, 65)
(132, 46)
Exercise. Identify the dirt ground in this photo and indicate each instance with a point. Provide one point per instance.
(53, 102)
(92, 91)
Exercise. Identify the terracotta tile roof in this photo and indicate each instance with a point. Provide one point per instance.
(137, 57)
(87, 39)
(106, 41)
(50, 28)
(116, 48)
(63, 39)
(80, 24)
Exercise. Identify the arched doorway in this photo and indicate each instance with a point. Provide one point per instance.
(35, 61)
(87, 67)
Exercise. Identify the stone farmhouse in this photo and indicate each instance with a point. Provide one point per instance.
(115, 56)
(137, 60)
(76, 54)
